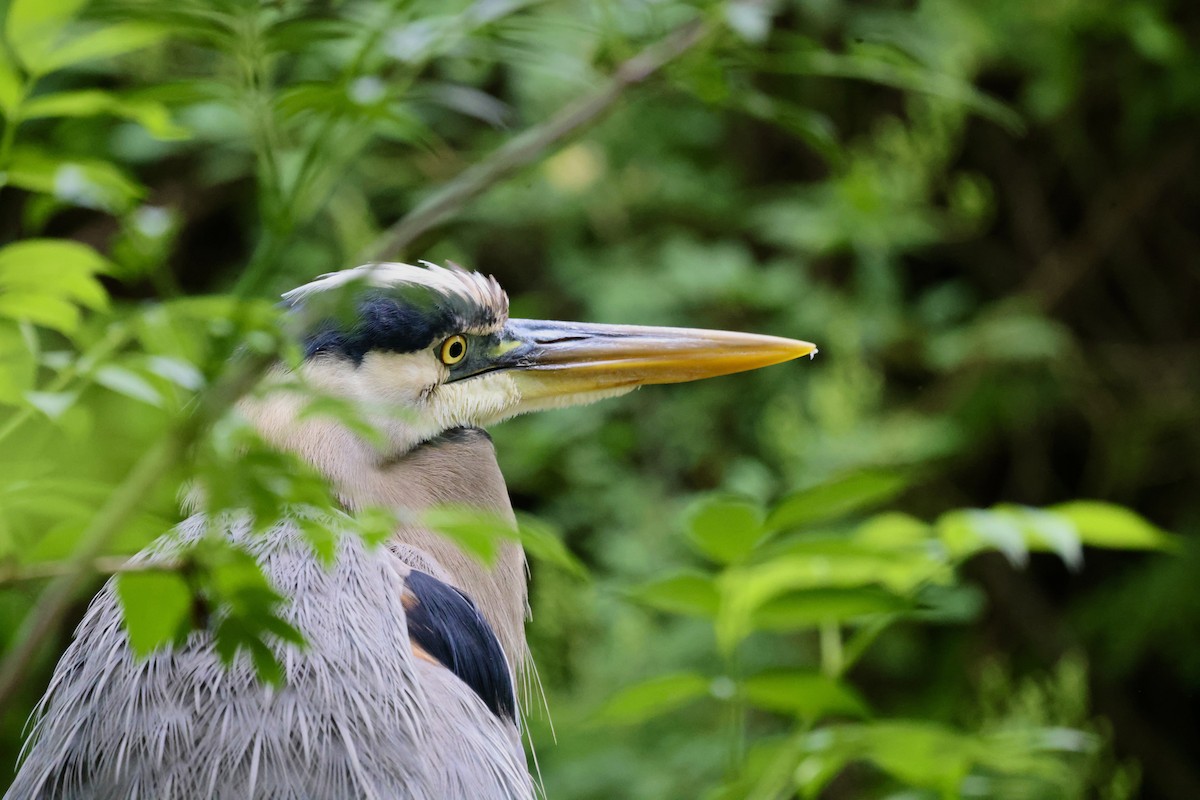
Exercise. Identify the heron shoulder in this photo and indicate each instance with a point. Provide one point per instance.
(445, 626)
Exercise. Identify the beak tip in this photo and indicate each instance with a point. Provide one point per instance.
(792, 349)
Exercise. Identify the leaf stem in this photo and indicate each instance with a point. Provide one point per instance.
(832, 656)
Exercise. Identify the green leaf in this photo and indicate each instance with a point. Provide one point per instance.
(691, 593)
(999, 531)
(932, 756)
(918, 753)
(812, 607)
(807, 695)
(40, 309)
(654, 697)
(375, 525)
(321, 537)
(1048, 531)
(52, 404)
(12, 86)
(105, 42)
(971, 530)
(893, 530)
(183, 374)
(952, 605)
(42, 281)
(745, 590)
(152, 116)
(18, 365)
(125, 381)
(725, 530)
(33, 27)
(1106, 525)
(475, 530)
(156, 606)
(835, 499)
(544, 543)
(88, 183)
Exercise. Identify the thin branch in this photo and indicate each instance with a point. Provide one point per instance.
(52, 603)
(526, 148)
(102, 565)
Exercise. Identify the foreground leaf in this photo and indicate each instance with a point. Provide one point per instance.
(155, 606)
(654, 697)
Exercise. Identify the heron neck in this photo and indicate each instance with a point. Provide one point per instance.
(458, 467)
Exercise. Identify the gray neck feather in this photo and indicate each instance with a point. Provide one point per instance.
(456, 469)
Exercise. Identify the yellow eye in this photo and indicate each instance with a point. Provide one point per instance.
(453, 349)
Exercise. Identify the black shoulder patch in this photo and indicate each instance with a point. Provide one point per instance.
(444, 623)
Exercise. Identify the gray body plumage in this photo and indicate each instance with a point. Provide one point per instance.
(358, 716)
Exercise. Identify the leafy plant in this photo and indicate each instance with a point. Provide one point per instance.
(815, 566)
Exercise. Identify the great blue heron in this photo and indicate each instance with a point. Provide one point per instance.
(405, 688)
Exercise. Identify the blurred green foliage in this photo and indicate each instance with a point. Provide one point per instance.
(980, 211)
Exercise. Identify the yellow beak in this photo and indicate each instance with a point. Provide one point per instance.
(569, 358)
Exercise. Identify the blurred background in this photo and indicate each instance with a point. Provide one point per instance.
(984, 213)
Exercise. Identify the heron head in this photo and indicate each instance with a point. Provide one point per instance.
(436, 344)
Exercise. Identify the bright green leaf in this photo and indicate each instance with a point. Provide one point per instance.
(52, 404)
(745, 590)
(123, 380)
(1106, 525)
(105, 42)
(152, 116)
(475, 530)
(88, 183)
(808, 695)
(1046, 530)
(968, 531)
(34, 27)
(654, 697)
(725, 530)
(18, 364)
(545, 544)
(810, 608)
(40, 309)
(12, 86)
(182, 373)
(321, 537)
(42, 280)
(999, 531)
(691, 593)
(835, 499)
(156, 606)
(893, 530)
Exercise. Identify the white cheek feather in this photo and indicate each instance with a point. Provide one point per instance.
(481, 400)
(398, 379)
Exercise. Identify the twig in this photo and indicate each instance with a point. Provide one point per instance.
(102, 565)
(54, 600)
(526, 148)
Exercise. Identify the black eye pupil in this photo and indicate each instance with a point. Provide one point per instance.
(456, 349)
